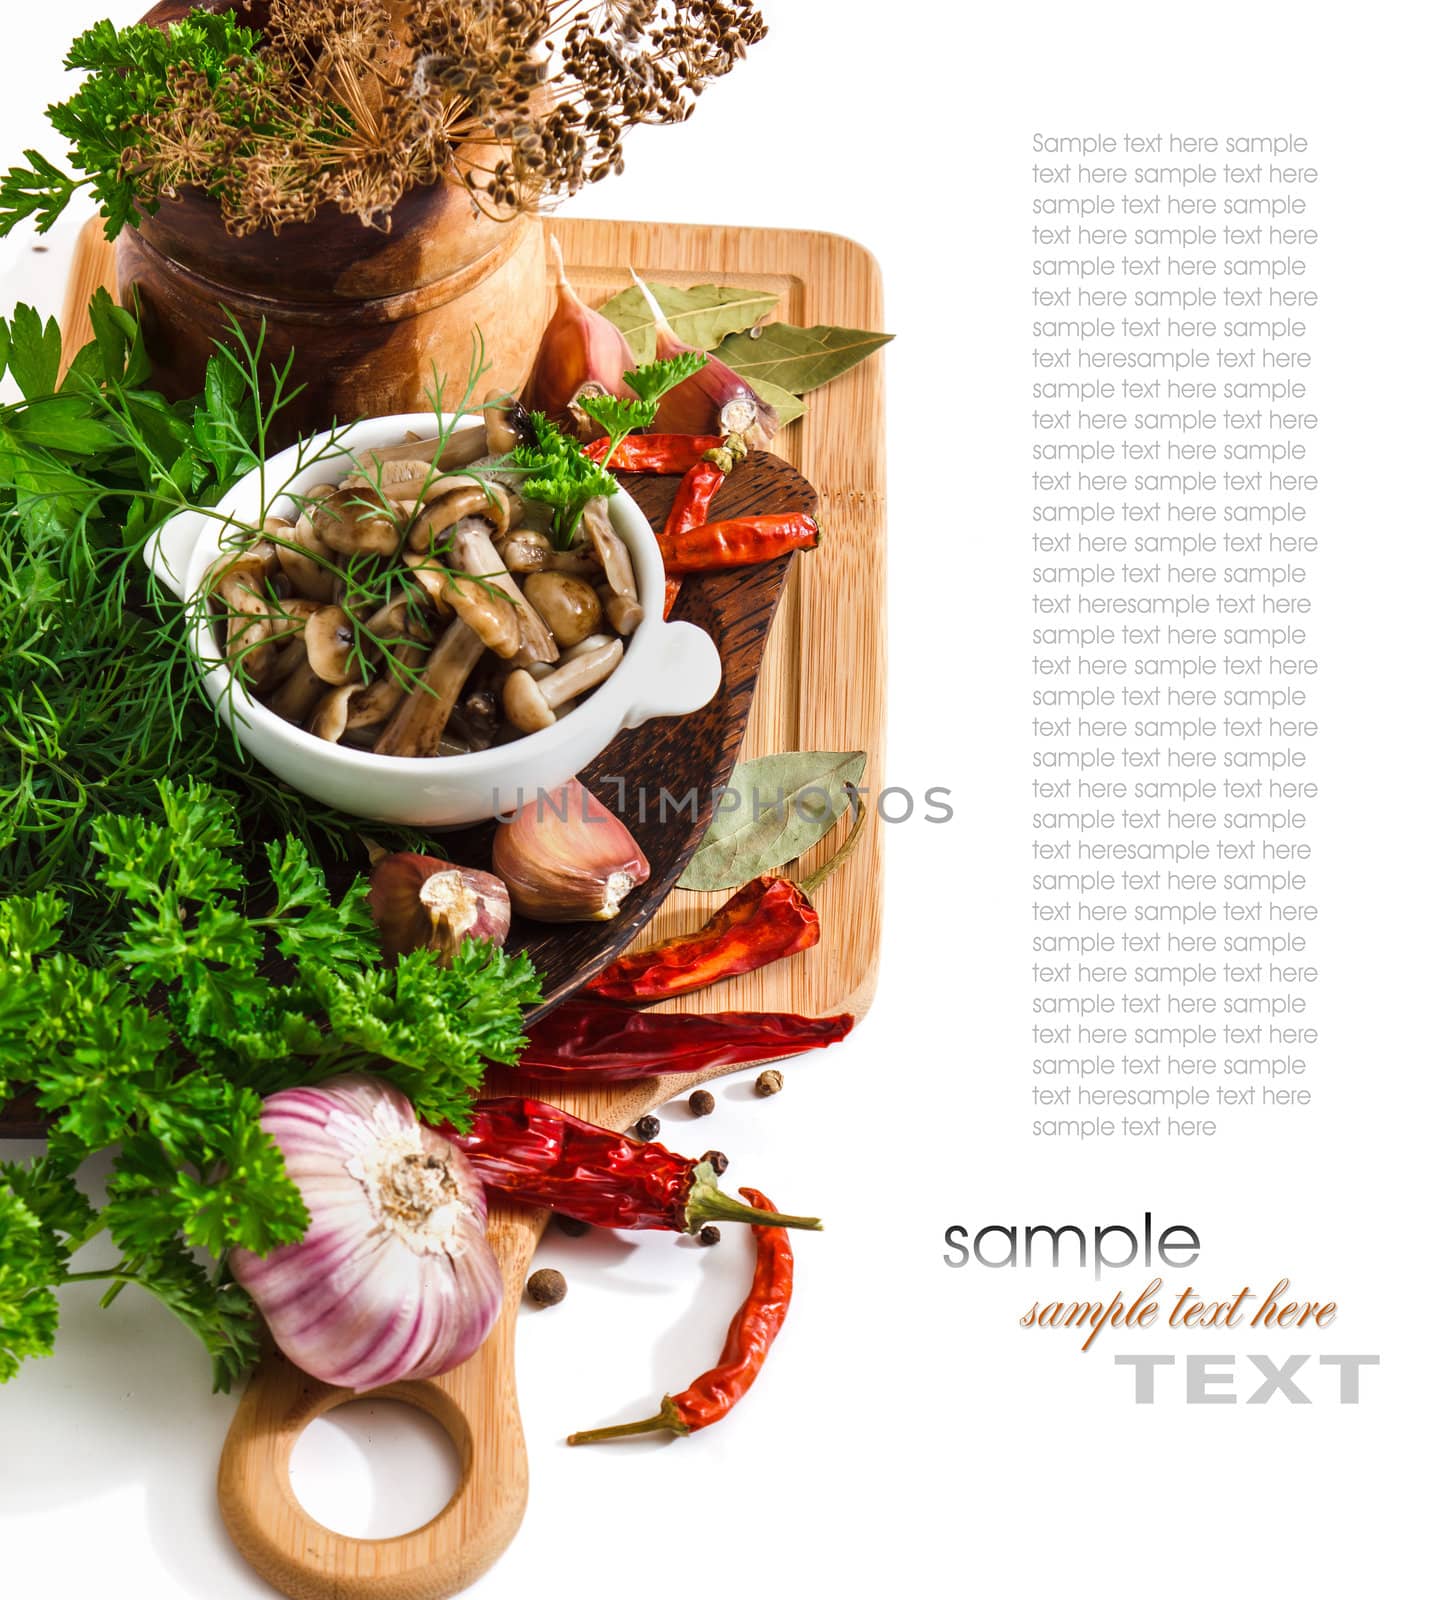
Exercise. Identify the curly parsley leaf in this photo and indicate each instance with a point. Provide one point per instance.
(29, 1267)
(559, 475)
(650, 382)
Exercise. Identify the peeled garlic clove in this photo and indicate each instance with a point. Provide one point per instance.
(568, 858)
(423, 903)
(581, 354)
(394, 1277)
(714, 399)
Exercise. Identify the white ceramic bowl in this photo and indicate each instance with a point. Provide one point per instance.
(668, 670)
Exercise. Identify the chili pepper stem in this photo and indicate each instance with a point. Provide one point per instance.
(708, 1203)
(821, 875)
(666, 1421)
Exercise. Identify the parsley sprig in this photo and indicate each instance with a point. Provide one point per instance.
(561, 475)
(133, 72)
(203, 998)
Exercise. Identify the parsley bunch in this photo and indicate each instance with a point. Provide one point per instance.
(205, 997)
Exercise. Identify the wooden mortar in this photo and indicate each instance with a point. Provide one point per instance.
(369, 315)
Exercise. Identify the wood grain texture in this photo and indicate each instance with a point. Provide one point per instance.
(821, 686)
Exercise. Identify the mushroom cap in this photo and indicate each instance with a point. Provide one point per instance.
(357, 522)
(568, 605)
(474, 552)
(524, 550)
(330, 643)
(444, 512)
(524, 703)
(244, 572)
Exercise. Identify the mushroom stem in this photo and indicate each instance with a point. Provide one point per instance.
(474, 553)
(416, 728)
(530, 703)
(611, 550)
(463, 446)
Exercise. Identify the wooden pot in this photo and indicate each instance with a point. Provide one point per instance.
(369, 315)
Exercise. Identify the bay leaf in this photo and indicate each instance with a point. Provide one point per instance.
(702, 316)
(773, 810)
(788, 406)
(798, 359)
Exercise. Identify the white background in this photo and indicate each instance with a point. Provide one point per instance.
(907, 1432)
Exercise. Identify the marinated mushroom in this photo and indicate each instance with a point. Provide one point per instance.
(329, 717)
(531, 704)
(502, 434)
(330, 642)
(624, 613)
(357, 522)
(569, 606)
(239, 580)
(463, 446)
(524, 550)
(298, 549)
(439, 513)
(611, 550)
(298, 695)
(418, 725)
(473, 552)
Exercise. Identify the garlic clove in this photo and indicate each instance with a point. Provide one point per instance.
(423, 903)
(714, 399)
(581, 354)
(567, 858)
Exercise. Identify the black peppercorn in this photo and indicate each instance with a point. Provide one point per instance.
(717, 1160)
(570, 1225)
(709, 1234)
(701, 1102)
(647, 1128)
(769, 1082)
(547, 1287)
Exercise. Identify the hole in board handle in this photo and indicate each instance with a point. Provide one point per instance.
(374, 1469)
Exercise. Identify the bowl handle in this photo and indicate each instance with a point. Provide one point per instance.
(684, 674)
(168, 550)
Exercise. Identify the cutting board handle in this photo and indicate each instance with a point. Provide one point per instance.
(477, 1406)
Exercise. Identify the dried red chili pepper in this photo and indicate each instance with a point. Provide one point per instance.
(740, 542)
(691, 508)
(594, 1041)
(710, 1397)
(767, 920)
(541, 1156)
(662, 454)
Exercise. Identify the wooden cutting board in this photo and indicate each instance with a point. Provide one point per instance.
(821, 687)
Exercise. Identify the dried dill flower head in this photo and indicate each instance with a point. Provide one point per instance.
(557, 87)
(355, 102)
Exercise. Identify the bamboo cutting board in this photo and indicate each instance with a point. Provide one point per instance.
(821, 687)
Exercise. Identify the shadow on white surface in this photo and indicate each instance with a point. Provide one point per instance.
(124, 1408)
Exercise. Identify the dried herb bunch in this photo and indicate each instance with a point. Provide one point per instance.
(355, 102)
